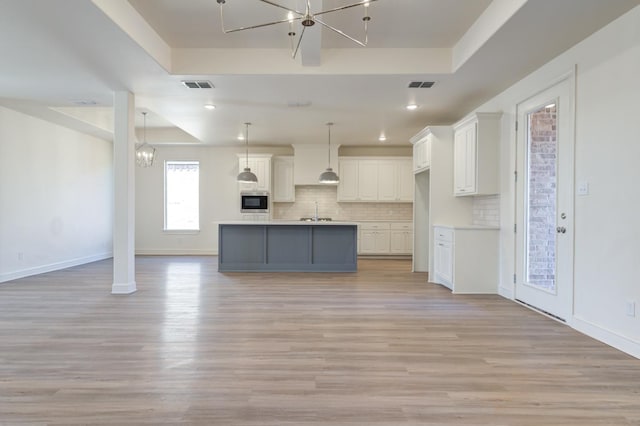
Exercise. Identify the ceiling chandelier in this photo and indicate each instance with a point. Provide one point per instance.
(145, 153)
(307, 19)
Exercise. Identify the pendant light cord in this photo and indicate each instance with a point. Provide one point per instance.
(144, 127)
(329, 153)
(246, 140)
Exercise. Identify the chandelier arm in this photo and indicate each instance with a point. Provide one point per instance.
(336, 9)
(293, 56)
(342, 33)
(226, 31)
(258, 26)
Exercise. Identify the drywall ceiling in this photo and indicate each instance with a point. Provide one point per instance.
(62, 61)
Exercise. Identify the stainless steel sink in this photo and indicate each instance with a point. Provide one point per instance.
(311, 219)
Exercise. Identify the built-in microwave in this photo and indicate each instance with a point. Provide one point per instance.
(254, 202)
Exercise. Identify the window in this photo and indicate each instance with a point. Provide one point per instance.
(182, 195)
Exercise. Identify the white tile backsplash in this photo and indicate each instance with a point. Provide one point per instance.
(328, 206)
(486, 210)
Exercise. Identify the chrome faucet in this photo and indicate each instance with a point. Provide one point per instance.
(315, 218)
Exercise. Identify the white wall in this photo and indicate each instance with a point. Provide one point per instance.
(421, 221)
(219, 200)
(55, 196)
(607, 150)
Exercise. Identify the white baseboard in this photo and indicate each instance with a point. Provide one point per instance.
(124, 288)
(53, 267)
(175, 252)
(609, 337)
(507, 293)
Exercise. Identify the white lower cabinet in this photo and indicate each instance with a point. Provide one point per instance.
(374, 238)
(401, 238)
(443, 256)
(465, 259)
(385, 238)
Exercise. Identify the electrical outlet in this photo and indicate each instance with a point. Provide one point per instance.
(631, 308)
(20, 256)
(583, 188)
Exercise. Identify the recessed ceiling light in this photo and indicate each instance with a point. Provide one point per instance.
(299, 104)
(210, 106)
(412, 107)
(84, 102)
(382, 138)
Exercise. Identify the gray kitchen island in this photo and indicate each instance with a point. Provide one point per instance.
(287, 246)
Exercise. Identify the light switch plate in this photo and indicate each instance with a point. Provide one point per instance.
(631, 308)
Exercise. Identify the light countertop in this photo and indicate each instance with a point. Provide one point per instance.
(286, 222)
(473, 227)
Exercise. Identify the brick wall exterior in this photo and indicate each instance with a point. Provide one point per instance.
(542, 198)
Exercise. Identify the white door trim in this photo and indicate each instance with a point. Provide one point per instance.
(569, 78)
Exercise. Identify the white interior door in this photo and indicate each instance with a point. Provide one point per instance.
(544, 201)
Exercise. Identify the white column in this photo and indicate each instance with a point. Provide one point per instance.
(124, 194)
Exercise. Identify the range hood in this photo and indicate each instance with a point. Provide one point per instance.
(310, 160)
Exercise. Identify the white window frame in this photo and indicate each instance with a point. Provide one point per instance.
(176, 230)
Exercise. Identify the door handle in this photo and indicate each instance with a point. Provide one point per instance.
(561, 229)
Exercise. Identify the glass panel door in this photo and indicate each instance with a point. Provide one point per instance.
(544, 201)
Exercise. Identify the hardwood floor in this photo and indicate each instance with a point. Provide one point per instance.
(376, 347)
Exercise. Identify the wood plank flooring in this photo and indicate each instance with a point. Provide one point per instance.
(376, 347)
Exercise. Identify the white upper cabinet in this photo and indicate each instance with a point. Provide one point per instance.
(387, 180)
(476, 155)
(348, 186)
(422, 153)
(283, 188)
(368, 180)
(395, 180)
(405, 181)
(260, 165)
(464, 157)
(371, 179)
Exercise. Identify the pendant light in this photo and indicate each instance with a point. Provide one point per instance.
(247, 176)
(329, 176)
(145, 153)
